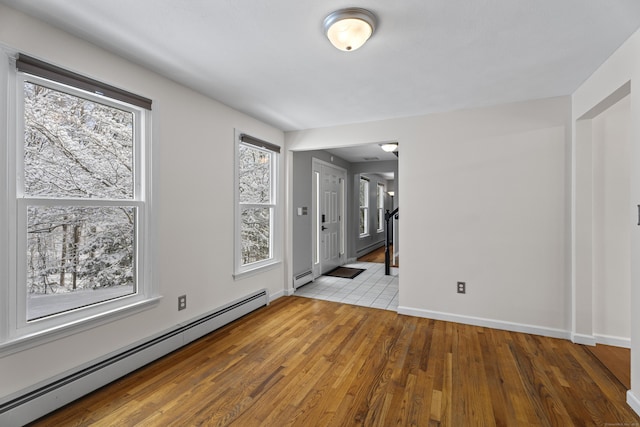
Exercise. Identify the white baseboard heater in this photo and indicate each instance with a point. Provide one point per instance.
(302, 279)
(53, 394)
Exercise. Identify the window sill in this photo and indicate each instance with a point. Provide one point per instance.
(362, 236)
(14, 345)
(256, 270)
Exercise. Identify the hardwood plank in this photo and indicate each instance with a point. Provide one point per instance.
(302, 362)
(502, 410)
(377, 256)
(616, 359)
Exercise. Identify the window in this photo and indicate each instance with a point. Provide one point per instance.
(380, 202)
(256, 202)
(78, 198)
(364, 206)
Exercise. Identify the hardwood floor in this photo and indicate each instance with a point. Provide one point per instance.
(616, 359)
(306, 362)
(378, 256)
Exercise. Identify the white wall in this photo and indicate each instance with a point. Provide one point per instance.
(194, 149)
(612, 228)
(484, 201)
(302, 183)
(620, 71)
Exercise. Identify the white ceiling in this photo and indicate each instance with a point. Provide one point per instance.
(271, 60)
(363, 153)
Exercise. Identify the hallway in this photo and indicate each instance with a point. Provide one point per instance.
(371, 288)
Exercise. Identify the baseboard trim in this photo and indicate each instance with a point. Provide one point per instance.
(285, 292)
(613, 340)
(583, 339)
(633, 402)
(487, 323)
(369, 248)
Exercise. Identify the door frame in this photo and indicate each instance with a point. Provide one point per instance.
(316, 184)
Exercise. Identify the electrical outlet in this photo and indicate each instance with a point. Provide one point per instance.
(182, 302)
(462, 288)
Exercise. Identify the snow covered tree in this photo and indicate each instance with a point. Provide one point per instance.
(77, 149)
(255, 192)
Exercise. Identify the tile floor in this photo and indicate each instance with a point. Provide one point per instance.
(371, 288)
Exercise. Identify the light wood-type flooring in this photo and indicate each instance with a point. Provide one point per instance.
(306, 362)
(377, 256)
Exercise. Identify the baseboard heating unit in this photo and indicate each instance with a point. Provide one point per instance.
(49, 396)
(302, 279)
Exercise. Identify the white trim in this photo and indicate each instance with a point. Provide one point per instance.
(16, 334)
(7, 227)
(369, 248)
(281, 293)
(257, 270)
(380, 208)
(275, 205)
(316, 177)
(367, 226)
(633, 402)
(613, 340)
(487, 323)
(583, 339)
(55, 333)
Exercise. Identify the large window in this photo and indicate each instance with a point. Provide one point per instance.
(78, 198)
(364, 206)
(380, 208)
(256, 201)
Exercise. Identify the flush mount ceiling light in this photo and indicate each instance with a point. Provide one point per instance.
(389, 146)
(348, 29)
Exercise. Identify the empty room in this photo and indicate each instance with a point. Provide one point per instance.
(203, 205)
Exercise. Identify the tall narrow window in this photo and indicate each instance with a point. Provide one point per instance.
(256, 178)
(380, 208)
(77, 152)
(364, 206)
(81, 202)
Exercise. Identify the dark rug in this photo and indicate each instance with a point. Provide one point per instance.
(345, 272)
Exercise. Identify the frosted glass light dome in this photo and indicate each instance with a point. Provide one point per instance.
(349, 29)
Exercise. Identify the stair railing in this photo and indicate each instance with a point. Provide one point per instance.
(388, 216)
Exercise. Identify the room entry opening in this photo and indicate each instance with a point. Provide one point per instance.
(328, 217)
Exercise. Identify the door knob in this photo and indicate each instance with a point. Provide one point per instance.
(323, 228)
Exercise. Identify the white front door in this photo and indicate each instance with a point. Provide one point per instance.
(329, 216)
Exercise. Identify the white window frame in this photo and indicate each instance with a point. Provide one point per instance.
(364, 208)
(16, 333)
(380, 206)
(244, 270)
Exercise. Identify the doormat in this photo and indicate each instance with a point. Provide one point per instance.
(345, 272)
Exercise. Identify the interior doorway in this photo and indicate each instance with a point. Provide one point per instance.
(328, 220)
(603, 180)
